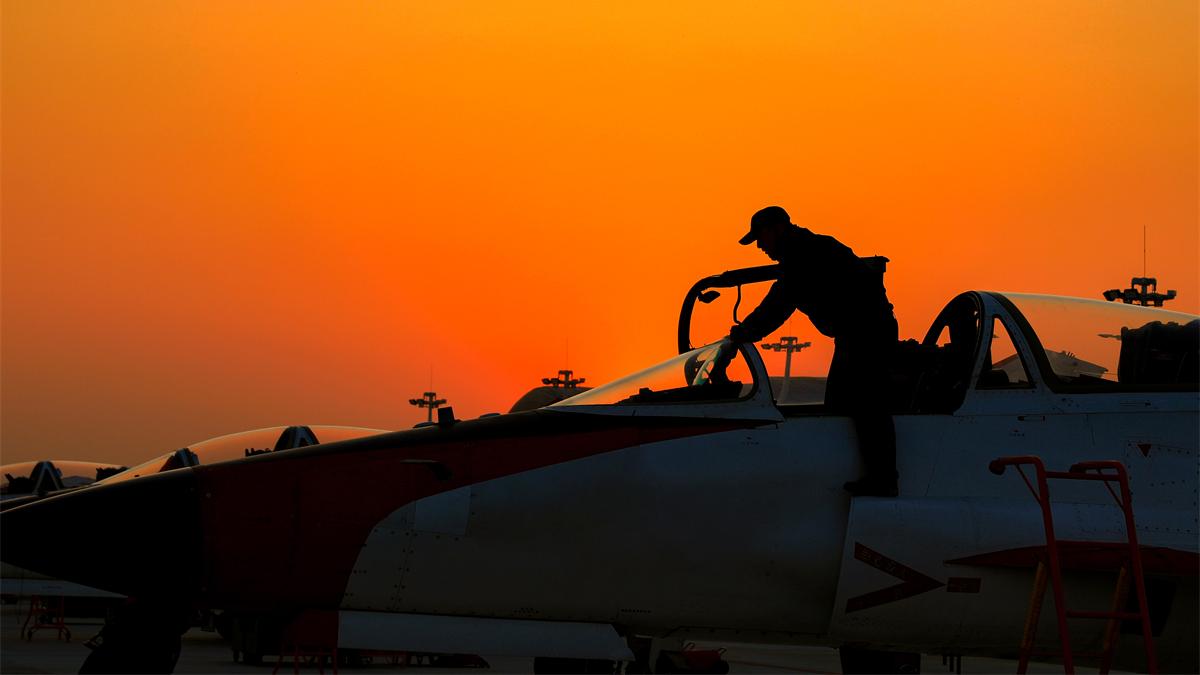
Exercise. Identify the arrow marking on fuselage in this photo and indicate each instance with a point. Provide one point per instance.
(913, 582)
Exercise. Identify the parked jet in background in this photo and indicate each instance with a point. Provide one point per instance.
(39, 478)
(27, 482)
(24, 482)
(683, 502)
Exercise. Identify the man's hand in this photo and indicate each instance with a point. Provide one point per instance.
(724, 357)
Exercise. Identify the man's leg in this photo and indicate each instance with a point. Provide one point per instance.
(877, 442)
(867, 371)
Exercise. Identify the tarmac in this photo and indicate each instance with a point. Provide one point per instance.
(207, 652)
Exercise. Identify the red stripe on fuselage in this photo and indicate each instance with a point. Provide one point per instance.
(286, 533)
(1091, 556)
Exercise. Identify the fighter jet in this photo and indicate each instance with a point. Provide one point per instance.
(684, 503)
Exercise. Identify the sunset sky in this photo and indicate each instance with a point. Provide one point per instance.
(219, 216)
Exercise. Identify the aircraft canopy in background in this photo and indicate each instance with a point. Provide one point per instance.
(25, 478)
(243, 444)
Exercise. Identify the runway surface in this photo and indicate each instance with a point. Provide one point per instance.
(207, 652)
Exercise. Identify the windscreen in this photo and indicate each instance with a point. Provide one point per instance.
(1109, 345)
(714, 372)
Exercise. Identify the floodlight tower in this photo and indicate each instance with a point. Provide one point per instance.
(786, 344)
(430, 401)
(563, 380)
(1142, 291)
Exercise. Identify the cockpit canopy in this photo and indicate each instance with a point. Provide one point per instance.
(1007, 341)
(1106, 346)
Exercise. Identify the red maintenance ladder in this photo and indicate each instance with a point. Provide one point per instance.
(46, 612)
(1107, 471)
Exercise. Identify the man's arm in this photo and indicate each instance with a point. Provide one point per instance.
(770, 314)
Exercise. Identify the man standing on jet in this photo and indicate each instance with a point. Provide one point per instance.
(845, 300)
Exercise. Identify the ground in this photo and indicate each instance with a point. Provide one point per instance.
(206, 652)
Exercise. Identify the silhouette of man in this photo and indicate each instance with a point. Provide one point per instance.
(845, 300)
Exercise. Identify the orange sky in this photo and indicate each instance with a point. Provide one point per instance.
(226, 215)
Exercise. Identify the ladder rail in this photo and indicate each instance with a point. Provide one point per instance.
(1121, 476)
(1042, 495)
(1108, 472)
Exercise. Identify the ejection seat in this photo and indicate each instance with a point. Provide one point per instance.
(940, 367)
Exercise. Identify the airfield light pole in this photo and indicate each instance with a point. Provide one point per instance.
(786, 344)
(564, 380)
(1140, 293)
(430, 401)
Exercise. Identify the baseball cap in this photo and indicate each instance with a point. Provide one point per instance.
(767, 216)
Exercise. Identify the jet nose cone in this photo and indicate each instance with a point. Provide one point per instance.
(139, 537)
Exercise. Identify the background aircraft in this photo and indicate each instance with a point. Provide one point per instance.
(31, 481)
(24, 482)
(24, 479)
(673, 504)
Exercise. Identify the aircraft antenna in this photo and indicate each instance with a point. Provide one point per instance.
(428, 400)
(787, 344)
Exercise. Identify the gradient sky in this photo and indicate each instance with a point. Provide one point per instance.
(226, 215)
